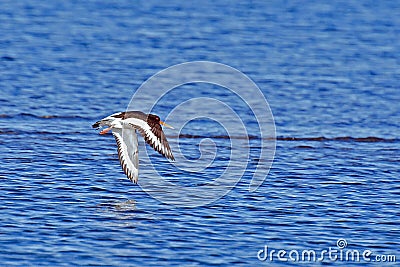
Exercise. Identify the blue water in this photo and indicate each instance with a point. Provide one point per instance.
(328, 70)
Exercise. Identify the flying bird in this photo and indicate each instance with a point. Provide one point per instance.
(124, 126)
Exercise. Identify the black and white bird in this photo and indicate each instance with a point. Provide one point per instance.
(124, 126)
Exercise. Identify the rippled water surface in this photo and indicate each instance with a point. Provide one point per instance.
(331, 75)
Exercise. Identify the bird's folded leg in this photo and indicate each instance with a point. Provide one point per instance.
(105, 130)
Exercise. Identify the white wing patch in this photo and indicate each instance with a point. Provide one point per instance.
(160, 144)
(128, 152)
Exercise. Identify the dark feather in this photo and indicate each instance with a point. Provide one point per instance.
(154, 122)
(96, 125)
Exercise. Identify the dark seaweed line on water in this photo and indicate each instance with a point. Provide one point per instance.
(370, 139)
(41, 116)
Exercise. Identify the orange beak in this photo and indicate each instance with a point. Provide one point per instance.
(166, 125)
(105, 130)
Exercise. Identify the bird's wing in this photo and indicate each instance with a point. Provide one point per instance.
(152, 134)
(128, 152)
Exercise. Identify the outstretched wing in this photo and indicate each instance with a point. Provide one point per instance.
(152, 134)
(128, 152)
